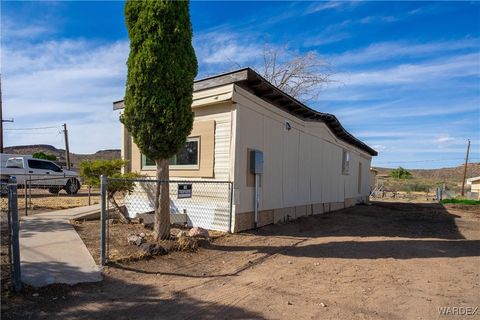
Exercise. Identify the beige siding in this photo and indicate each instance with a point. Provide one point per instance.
(302, 166)
(220, 115)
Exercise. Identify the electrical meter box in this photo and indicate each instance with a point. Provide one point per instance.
(256, 162)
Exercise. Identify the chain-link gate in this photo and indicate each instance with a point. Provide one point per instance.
(193, 203)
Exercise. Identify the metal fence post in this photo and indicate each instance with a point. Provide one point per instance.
(26, 198)
(231, 207)
(14, 240)
(103, 218)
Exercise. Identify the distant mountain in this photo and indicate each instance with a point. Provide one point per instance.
(76, 159)
(447, 174)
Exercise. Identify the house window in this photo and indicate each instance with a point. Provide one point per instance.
(359, 177)
(345, 162)
(186, 158)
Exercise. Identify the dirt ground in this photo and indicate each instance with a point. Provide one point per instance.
(41, 200)
(384, 261)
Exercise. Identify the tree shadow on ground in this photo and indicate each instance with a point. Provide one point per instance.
(113, 298)
(30, 227)
(406, 220)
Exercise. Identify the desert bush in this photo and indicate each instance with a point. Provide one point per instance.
(45, 156)
(417, 187)
(400, 173)
(461, 201)
(92, 170)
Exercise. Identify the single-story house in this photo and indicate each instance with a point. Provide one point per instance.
(311, 164)
(474, 186)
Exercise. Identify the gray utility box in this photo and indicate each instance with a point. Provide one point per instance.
(256, 162)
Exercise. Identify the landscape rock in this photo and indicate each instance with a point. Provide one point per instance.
(135, 239)
(152, 249)
(182, 233)
(187, 244)
(198, 232)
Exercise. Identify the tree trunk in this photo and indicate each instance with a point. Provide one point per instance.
(122, 214)
(162, 201)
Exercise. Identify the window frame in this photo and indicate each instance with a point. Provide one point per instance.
(346, 158)
(176, 166)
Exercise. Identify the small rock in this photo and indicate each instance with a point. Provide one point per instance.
(323, 304)
(142, 235)
(152, 249)
(182, 233)
(316, 264)
(289, 262)
(36, 294)
(135, 239)
(198, 232)
(139, 241)
(289, 303)
(132, 238)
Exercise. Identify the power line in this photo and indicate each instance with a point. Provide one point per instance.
(37, 128)
(433, 160)
(16, 133)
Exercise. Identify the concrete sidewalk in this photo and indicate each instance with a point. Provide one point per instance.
(73, 213)
(51, 251)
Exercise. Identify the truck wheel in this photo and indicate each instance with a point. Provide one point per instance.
(72, 186)
(54, 190)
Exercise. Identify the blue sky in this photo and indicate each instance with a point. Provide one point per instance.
(406, 75)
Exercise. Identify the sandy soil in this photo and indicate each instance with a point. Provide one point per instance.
(385, 261)
(41, 200)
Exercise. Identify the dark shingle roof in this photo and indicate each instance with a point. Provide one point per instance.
(251, 81)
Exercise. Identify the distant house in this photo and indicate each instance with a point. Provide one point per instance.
(474, 186)
(311, 164)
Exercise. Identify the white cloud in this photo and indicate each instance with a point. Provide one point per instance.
(226, 48)
(384, 51)
(70, 81)
(444, 139)
(14, 30)
(322, 6)
(458, 66)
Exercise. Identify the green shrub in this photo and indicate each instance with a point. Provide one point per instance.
(461, 201)
(400, 173)
(45, 156)
(91, 170)
(417, 187)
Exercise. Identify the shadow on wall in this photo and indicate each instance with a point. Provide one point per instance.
(114, 299)
(382, 219)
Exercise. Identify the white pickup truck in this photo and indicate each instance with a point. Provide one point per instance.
(39, 173)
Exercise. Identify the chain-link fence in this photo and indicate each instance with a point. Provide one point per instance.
(195, 203)
(10, 248)
(37, 193)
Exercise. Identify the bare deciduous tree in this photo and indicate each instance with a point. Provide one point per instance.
(301, 76)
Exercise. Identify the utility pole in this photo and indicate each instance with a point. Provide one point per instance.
(465, 169)
(1, 118)
(67, 150)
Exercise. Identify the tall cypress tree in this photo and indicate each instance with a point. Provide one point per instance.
(161, 69)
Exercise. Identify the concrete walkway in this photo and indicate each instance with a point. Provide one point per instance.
(51, 251)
